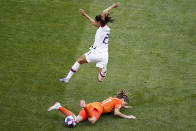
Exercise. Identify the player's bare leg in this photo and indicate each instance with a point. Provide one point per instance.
(74, 69)
(82, 59)
(101, 74)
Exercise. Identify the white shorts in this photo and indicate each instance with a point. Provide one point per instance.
(101, 59)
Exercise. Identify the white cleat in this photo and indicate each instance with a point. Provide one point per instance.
(104, 71)
(64, 80)
(104, 74)
(55, 106)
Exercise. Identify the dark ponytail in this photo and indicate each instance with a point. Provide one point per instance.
(122, 94)
(107, 19)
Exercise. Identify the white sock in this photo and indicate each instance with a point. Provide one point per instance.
(101, 76)
(59, 107)
(74, 68)
(104, 68)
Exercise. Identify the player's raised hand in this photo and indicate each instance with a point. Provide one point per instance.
(131, 117)
(82, 12)
(117, 4)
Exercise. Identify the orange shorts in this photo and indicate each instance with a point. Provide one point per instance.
(94, 109)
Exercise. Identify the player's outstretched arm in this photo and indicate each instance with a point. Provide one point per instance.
(127, 107)
(107, 10)
(88, 17)
(118, 113)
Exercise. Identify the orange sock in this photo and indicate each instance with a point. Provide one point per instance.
(65, 111)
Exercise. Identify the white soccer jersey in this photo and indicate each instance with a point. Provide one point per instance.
(101, 39)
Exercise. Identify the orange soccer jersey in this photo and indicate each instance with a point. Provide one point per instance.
(110, 104)
(96, 108)
(92, 109)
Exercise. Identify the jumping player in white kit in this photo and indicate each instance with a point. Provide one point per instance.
(99, 51)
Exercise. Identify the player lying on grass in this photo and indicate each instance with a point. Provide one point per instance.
(99, 51)
(93, 111)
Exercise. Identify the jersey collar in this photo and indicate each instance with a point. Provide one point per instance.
(103, 25)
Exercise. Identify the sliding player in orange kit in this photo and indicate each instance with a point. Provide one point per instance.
(93, 111)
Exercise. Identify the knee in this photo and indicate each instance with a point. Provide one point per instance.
(82, 60)
(79, 61)
(92, 120)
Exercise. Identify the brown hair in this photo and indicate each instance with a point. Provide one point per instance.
(122, 94)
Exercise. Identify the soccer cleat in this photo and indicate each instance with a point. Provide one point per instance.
(82, 103)
(64, 80)
(102, 76)
(55, 106)
(104, 71)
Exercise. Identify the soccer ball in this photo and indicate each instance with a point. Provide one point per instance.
(70, 121)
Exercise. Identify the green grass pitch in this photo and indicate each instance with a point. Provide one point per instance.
(152, 55)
